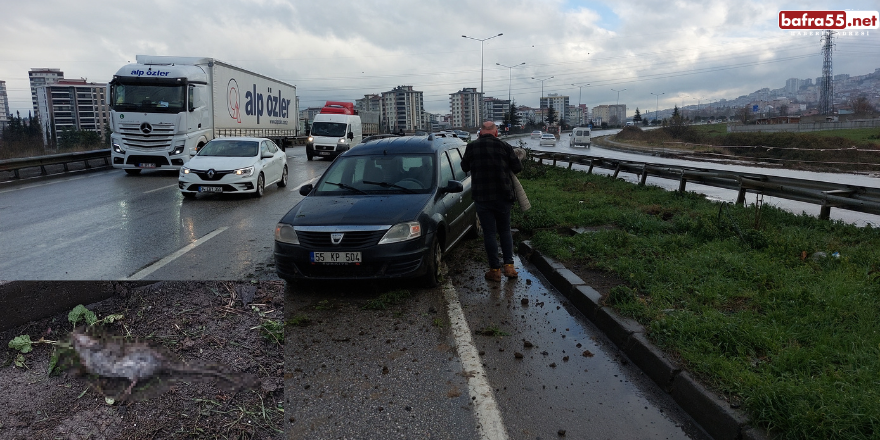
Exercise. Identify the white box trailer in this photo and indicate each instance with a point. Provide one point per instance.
(163, 109)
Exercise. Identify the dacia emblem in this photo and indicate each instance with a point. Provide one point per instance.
(336, 237)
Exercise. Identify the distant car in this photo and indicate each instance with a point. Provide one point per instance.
(466, 136)
(390, 208)
(234, 165)
(536, 134)
(547, 139)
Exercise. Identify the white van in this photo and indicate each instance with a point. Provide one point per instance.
(334, 131)
(580, 136)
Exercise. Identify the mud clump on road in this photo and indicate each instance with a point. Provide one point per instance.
(193, 323)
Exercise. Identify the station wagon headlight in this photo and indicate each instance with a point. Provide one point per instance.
(402, 232)
(285, 234)
(244, 172)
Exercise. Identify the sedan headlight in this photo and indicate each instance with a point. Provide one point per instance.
(244, 172)
(184, 170)
(285, 234)
(402, 232)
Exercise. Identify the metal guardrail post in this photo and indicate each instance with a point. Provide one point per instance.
(616, 170)
(682, 182)
(741, 196)
(644, 177)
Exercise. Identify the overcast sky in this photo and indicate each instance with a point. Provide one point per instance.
(340, 50)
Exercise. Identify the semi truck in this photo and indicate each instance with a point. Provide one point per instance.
(163, 109)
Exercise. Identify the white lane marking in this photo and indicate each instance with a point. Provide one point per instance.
(47, 183)
(488, 415)
(159, 264)
(161, 188)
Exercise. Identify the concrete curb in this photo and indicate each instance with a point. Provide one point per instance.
(712, 413)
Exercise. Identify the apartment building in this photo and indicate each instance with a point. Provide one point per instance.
(4, 106)
(464, 105)
(557, 102)
(369, 103)
(72, 104)
(612, 114)
(403, 109)
(39, 77)
(494, 109)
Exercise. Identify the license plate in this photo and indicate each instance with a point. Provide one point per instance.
(146, 165)
(323, 153)
(335, 257)
(210, 189)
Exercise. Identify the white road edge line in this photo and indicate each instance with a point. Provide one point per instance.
(159, 264)
(37, 185)
(161, 188)
(489, 422)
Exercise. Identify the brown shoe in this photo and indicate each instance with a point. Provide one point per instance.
(509, 271)
(493, 275)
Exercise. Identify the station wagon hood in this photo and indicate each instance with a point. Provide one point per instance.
(357, 210)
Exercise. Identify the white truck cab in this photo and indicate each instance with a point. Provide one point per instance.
(335, 130)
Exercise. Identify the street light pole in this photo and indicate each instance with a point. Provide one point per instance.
(542, 92)
(658, 104)
(579, 100)
(616, 108)
(509, 70)
(481, 40)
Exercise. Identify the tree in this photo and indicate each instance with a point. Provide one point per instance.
(513, 117)
(743, 115)
(783, 110)
(676, 125)
(637, 117)
(551, 117)
(614, 120)
(860, 105)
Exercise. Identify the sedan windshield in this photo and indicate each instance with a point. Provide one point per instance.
(224, 148)
(407, 173)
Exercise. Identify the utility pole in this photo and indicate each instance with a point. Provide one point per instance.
(579, 101)
(658, 104)
(509, 70)
(826, 104)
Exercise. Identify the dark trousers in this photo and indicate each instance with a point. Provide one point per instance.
(495, 219)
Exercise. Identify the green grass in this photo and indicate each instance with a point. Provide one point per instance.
(796, 340)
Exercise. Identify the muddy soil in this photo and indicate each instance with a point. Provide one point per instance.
(195, 323)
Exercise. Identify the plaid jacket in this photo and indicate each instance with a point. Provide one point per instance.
(490, 162)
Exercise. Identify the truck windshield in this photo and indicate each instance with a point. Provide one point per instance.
(335, 129)
(153, 98)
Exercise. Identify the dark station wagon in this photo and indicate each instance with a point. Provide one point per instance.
(390, 208)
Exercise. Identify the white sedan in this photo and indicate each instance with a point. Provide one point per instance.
(536, 134)
(234, 165)
(547, 139)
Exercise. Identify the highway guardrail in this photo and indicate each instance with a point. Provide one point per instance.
(825, 194)
(14, 165)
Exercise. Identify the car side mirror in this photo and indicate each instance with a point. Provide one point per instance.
(350, 135)
(453, 186)
(569, 134)
(266, 155)
(306, 189)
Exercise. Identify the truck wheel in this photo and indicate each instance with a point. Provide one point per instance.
(283, 182)
(309, 155)
(131, 172)
(261, 186)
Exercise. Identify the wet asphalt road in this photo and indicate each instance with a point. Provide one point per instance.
(108, 225)
(352, 372)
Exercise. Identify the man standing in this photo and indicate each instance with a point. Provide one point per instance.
(491, 162)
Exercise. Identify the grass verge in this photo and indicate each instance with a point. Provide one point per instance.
(754, 302)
